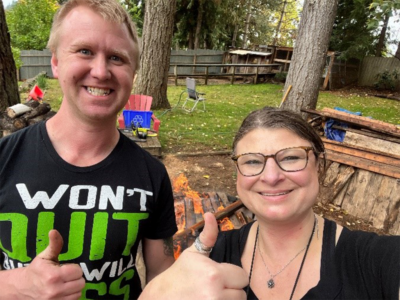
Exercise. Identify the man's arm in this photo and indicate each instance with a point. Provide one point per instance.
(44, 278)
(158, 256)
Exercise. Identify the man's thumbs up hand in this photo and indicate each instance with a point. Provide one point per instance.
(45, 278)
(54, 248)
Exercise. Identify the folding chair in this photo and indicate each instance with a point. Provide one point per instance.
(192, 96)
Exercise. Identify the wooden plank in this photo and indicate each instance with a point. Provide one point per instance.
(356, 120)
(363, 163)
(360, 140)
(343, 148)
(151, 144)
(385, 212)
(336, 178)
(371, 134)
(360, 196)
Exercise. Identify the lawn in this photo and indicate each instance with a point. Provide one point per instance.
(227, 105)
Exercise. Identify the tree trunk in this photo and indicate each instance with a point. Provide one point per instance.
(198, 25)
(382, 36)
(309, 54)
(9, 94)
(247, 25)
(234, 37)
(397, 55)
(278, 28)
(156, 51)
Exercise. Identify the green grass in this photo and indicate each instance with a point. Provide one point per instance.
(227, 105)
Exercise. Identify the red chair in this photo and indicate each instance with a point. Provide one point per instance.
(36, 94)
(139, 103)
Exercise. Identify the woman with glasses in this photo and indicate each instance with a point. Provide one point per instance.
(289, 252)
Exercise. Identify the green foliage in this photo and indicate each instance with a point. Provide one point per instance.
(135, 9)
(387, 80)
(223, 23)
(17, 57)
(352, 35)
(29, 23)
(41, 81)
(281, 77)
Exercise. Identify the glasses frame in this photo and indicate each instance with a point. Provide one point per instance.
(306, 148)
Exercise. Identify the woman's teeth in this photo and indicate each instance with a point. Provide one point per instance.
(276, 194)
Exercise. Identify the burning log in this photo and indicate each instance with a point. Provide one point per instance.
(219, 215)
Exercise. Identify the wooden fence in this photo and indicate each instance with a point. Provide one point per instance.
(372, 66)
(34, 62)
(231, 71)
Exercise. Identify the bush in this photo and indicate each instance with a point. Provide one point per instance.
(41, 81)
(17, 57)
(281, 77)
(386, 80)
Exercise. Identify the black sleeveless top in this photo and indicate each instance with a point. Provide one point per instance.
(362, 265)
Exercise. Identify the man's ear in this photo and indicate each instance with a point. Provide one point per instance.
(54, 65)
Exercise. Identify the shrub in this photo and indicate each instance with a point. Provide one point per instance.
(386, 80)
(41, 81)
(281, 77)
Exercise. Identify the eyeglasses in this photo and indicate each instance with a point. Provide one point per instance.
(289, 160)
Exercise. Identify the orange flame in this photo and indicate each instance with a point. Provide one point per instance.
(177, 251)
(226, 224)
(181, 184)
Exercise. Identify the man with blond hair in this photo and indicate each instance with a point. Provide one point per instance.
(77, 196)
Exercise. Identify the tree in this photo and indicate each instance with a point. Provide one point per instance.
(29, 23)
(158, 28)
(309, 54)
(352, 35)
(9, 94)
(382, 10)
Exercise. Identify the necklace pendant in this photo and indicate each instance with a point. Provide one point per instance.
(271, 283)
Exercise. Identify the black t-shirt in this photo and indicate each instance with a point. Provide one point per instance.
(363, 265)
(101, 211)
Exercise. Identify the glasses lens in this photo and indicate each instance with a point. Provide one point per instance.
(250, 164)
(292, 159)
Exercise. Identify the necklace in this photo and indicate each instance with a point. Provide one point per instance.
(271, 282)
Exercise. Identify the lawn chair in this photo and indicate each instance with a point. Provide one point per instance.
(36, 94)
(192, 96)
(138, 110)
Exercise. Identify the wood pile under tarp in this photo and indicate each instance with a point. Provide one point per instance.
(20, 116)
(363, 175)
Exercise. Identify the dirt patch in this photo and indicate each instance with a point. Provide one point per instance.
(216, 173)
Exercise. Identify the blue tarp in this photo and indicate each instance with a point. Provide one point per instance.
(337, 134)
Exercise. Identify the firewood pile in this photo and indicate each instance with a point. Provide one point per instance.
(20, 116)
(363, 171)
(229, 212)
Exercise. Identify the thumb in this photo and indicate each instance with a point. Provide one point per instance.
(209, 235)
(54, 248)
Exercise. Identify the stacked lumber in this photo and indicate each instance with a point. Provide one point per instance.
(229, 212)
(20, 116)
(363, 171)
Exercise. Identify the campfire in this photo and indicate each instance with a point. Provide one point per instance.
(190, 207)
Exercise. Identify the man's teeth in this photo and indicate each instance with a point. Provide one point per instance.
(277, 194)
(98, 92)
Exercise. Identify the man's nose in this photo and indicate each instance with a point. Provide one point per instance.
(100, 68)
